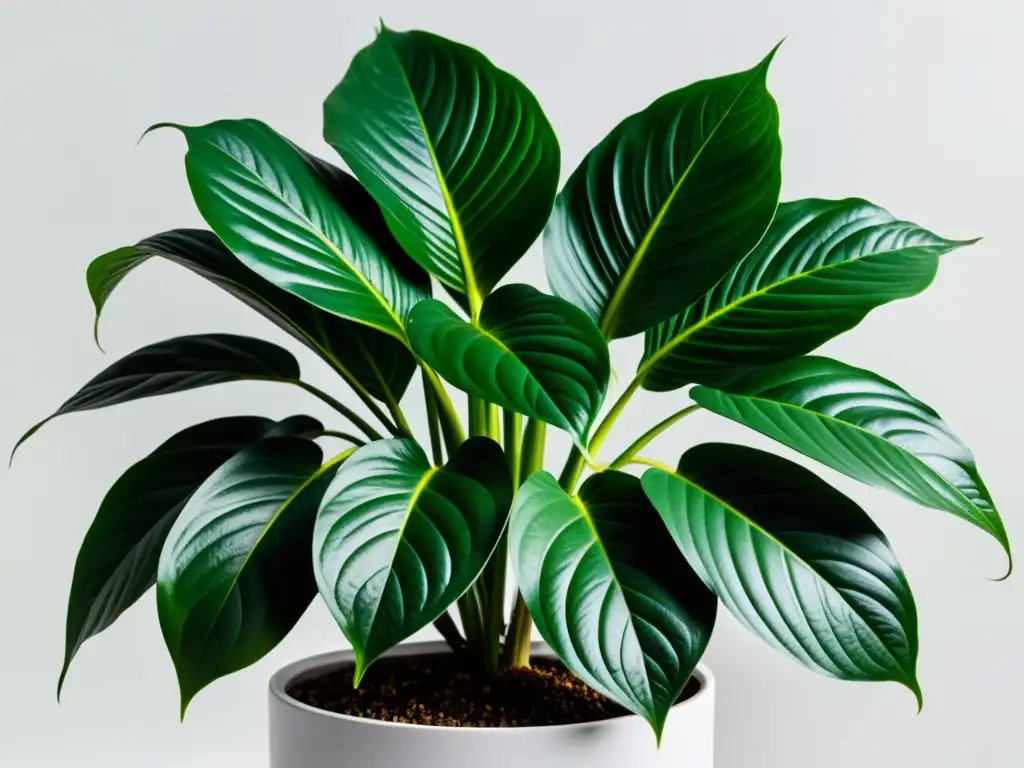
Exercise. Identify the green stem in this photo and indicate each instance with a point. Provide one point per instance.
(471, 611)
(641, 442)
(433, 423)
(532, 453)
(449, 631)
(513, 433)
(343, 436)
(493, 422)
(651, 463)
(477, 416)
(451, 426)
(341, 408)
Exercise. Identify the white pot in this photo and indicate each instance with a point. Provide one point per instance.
(305, 737)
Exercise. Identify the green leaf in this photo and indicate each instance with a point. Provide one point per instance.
(397, 540)
(117, 561)
(671, 199)
(531, 353)
(863, 426)
(794, 560)
(818, 271)
(272, 208)
(609, 591)
(457, 152)
(177, 365)
(234, 574)
(376, 361)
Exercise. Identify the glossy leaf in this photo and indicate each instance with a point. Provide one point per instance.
(863, 426)
(397, 540)
(818, 271)
(177, 365)
(273, 209)
(667, 203)
(609, 591)
(531, 353)
(794, 560)
(234, 574)
(380, 363)
(117, 561)
(457, 152)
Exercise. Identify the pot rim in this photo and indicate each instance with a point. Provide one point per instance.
(311, 666)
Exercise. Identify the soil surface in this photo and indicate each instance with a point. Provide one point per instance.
(443, 690)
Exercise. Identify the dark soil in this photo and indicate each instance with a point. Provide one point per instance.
(443, 690)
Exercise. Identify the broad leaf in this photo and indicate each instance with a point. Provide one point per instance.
(273, 209)
(609, 591)
(794, 560)
(378, 362)
(177, 365)
(671, 199)
(818, 271)
(117, 561)
(457, 152)
(397, 540)
(234, 574)
(863, 426)
(531, 353)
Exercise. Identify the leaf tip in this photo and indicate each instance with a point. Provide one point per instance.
(915, 688)
(1009, 563)
(158, 126)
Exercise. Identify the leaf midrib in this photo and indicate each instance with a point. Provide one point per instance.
(609, 319)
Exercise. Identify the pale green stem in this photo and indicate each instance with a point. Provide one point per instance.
(433, 423)
(651, 463)
(341, 408)
(641, 442)
(343, 436)
(451, 426)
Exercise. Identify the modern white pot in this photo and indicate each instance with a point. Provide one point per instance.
(305, 737)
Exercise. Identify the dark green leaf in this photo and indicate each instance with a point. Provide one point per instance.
(531, 353)
(273, 209)
(177, 365)
(234, 574)
(457, 152)
(863, 426)
(797, 563)
(378, 362)
(397, 540)
(671, 199)
(818, 271)
(608, 590)
(118, 559)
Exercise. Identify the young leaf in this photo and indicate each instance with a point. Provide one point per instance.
(671, 199)
(608, 590)
(863, 426)
(265, 201)
(397, 540)
(117, 561)
(531, 353)
(234, 574)
(794, 560)
(380, 363)
(817, 272)
(177, 365)
(457, 152)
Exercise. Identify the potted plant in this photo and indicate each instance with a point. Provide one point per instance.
(672, 228)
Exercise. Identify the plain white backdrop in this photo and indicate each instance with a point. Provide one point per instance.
(914, 105)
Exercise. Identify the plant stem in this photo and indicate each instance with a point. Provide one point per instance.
(433, 423)
(651, 463)
(516, 652)
(477, 416)
(641, 442)
(343, 436)
(449, 631)
(513, 429)
(341, 408)
(451, 426)
(493, 422)
(471, 611)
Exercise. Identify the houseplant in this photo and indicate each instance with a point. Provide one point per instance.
(671, 227)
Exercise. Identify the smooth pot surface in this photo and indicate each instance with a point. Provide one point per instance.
(304, 737)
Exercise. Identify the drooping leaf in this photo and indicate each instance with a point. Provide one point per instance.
(234, 574)
(273, 209)
(457, 152)
(818, 271)
(667, 203)
(397, 540)
(794, 560)
(378, 362)
(177, 365)
(531, 353)
(609, 591)
(117, 561)
(863, 426)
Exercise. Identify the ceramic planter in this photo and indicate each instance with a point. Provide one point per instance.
(305, 737)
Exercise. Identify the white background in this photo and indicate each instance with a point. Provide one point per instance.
(914, 105)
